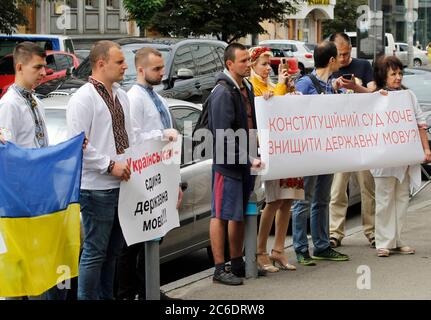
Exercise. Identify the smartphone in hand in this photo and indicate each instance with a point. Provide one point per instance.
(347, 76)
(284, 64)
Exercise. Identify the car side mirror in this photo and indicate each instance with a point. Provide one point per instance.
(49, 71)
(184, 73)
(69, 71)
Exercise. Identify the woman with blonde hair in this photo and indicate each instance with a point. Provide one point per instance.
(279, 193)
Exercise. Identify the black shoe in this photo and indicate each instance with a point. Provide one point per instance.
(305, 259)
(330, 254)
(227, 278)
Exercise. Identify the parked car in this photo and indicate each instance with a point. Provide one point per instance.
(57, 63)
(194, 213)
(190, 69)
(301, 50)
(46, 41)
(277, 55)
(420, 57)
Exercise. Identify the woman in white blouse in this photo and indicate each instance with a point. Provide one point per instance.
(393, 184)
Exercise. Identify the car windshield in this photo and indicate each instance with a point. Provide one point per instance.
(419, 81)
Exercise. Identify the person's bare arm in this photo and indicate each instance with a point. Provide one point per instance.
(425, 144)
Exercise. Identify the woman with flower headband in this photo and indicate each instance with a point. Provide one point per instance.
(279, 194)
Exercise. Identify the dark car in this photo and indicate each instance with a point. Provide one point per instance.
(190, 69)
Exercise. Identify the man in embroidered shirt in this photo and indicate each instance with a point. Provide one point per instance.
(22, 118)
(101, 109)
(151, 118)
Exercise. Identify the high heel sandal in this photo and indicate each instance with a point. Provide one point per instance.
(279, 263)
(268, 266)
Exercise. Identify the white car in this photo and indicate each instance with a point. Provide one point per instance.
(301, 50)
(420, 57)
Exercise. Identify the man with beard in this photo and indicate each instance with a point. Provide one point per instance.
(151, 119)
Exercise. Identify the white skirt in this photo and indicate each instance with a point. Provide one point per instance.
(290, 188)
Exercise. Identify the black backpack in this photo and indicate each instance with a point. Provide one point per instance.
(202, 122)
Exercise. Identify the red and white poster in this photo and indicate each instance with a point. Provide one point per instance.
(302, 135)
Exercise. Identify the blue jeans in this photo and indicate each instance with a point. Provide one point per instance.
(102, 244)
(317, 196)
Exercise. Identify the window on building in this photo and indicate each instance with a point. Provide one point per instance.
(89, 4)
(59, 4)
(113, 4)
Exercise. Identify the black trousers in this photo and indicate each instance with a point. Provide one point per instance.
(131, 272)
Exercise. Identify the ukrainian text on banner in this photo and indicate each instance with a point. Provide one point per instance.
(319, 134)
(39, 216)
(147, 204)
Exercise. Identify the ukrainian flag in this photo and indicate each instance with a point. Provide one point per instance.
(39, 216)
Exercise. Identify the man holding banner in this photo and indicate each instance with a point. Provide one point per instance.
(317, 188)
(231, 112)
(101, 110)
(151, 118)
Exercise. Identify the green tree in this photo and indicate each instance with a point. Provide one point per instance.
(142, 10)
(228, 20)
(345, 17)
(11, 15)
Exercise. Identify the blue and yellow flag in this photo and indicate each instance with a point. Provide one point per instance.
(39, 216)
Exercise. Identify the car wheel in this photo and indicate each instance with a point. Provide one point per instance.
(417, 62)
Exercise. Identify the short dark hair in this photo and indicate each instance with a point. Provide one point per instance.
(143, 53)
(382, 66)
(342, 35)
(229, 51)
(24, 51)
(323, 52)
(100, 50)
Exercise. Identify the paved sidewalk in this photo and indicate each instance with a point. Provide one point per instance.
(396, 277)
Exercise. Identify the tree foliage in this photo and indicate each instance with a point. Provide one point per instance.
(228, 20)
(142, 10)
(345, 17)
(11, 15)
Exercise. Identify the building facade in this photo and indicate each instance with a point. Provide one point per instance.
(82, 18)
(305, 25)
(394, 12)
